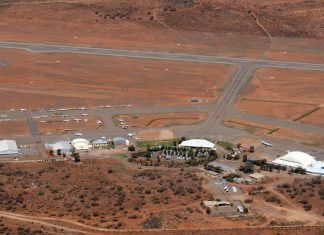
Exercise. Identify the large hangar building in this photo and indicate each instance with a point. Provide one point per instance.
(8, 147)
(296, 159)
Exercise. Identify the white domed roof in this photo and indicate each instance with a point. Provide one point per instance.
(295, 159)
(197, 143)
(80, 140)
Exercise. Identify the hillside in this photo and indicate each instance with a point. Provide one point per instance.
(294, 19)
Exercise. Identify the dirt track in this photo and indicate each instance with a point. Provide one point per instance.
(75, 227)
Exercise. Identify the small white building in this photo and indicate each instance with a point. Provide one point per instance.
(198, 143)
(120, 141)
(81, 144)
(8, 147)
(100, 143)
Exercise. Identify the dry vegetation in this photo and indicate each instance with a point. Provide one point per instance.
(309, 193)
(98, 193)
(279, 17)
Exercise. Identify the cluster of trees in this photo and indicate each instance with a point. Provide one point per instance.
(59, 153)
(230, 177)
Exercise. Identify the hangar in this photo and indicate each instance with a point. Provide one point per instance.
(295, 159)
(317, 168)
(64, 146)
(197, 143)
(8, 147)
(81, 144)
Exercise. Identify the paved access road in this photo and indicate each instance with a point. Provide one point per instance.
(218, 111)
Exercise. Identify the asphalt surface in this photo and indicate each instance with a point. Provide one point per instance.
(211, 128)
(36, 47)
(31, 126)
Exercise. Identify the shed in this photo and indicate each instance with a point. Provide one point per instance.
(120, 141)
(257, 177)
(100, 142)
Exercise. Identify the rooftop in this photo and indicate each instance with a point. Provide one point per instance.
(197, 143)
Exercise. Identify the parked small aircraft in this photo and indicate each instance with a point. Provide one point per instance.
(266, 144)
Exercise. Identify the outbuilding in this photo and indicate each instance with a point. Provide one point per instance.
(8, 147)
(257, 177)
(198, 143)
(100, 142)
(120, 141)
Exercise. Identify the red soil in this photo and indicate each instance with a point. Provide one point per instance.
(64, 80)
(292, 94)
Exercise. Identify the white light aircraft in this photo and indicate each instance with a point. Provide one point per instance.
(266, 144)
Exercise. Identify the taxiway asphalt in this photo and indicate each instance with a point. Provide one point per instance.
(218, 111)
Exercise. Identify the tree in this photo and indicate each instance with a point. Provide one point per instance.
(244, 158)
(236, 156)
(183, 138)
(59, 152)
(51, 152)
(191, 153)
(251, 149)
(300, 170)
(208, 210)
(229, 156)
(247, 168)
(76, 157)
(131, 148)
(239, 145)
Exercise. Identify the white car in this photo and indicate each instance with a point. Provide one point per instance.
(78, 134)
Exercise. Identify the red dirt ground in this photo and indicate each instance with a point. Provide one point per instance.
(289, 94)
(158, 120)
(262, 129)
(17, 127)
(155, 135)
(95, 80)
(231, 30)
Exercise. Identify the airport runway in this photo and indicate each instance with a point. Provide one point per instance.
(218, 111)
(36, 47)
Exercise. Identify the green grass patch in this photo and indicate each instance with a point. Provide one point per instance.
(273, 131)
(155, 143)
(306, 114)
(122, 156)
(314, 144)
(224, 144)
